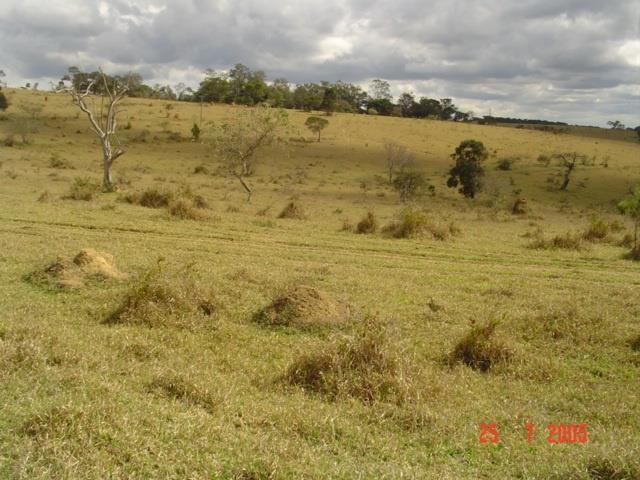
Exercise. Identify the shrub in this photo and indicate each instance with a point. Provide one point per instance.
(83, 188)
(468, 170)
(568, 241)
(479, 349)
(201, 169)
(158, 299)
(519, 206)
(56, 161)
(368, 224)
(347, 226)
(9, 141)
(184, 209)
(544, 160)
(293, 210)
(150, 198)
(505, 163)
(418, 223)
(195, 132)
(366, 366)
(597, 231)
(4, 104)
(409, 185)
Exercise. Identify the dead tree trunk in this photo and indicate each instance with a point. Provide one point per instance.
(104, 124)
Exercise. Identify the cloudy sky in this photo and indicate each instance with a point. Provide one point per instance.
(569, 60)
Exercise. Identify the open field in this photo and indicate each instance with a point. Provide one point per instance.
(84, 398)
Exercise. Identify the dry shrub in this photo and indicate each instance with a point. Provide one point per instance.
(185, 209)
(56, 161)
(44, 197)
(606, 469)
(158, 299)
(480, 350)
(635, 343)
(73, 273)
(303, 306)
(150, 198)
(347, 226)
(201, 169)
(634, 255)
(417, 224)
(82, 188)
(597, 231)
(293, 210)
(519, 207)
(568, 241)
(367, 366)
(368, 224)
(176, 387)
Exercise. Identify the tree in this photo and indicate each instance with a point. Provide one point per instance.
(468, 170)
(380, 90)
(637, 130)
(407, 103)
(409, 184)
(398, 158)
(103, 120)
(631, 206)
(2, 82)
(238, 143)
(616, 125)
(4, 103)
(316, 124)
(568, 161)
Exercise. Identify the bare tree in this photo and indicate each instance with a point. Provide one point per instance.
(103, 119)
(569, 161)
(398, 158)
(238, 143)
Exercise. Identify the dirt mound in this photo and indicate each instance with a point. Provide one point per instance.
(304, 306)
(67, 272)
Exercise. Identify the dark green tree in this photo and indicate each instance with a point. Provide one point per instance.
(316, 124)
(468, 171)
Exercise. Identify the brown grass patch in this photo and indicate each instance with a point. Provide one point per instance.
(367, 366)
(88, 264)
(293, 210)
(419, 224)
(304, 306)
(480, 350)
(568, 241)
(160, 300)
(176, 387)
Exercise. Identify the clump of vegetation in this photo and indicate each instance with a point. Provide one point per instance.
(369, 224)
(635, 343)
(605, 469)
(631, 207)
(567, 241)
(151, 198)
(597, 231)
(176, 387)
(519, 206)
(398, 159)
(414, 223)
(347, 226)
(82, 188)
(158, 299)
(480, 350)
(56, 161)
(294, 210)
(409, 185)
(367, 366)
(468, 171)
(185, 209)
(195, 132)
(4, 103)
(506, 164)
(201, 169)
(544, 160)
(67, 272)
(304, 306)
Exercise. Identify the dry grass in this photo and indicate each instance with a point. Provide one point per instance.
(420, 224)
(480, 350)
(293, 210)
(150, 198)
(367, 366)
(177, 387)
(186, 209)
(159, 299)
(82, 188)
(567, 241)
(303, 307)
(369, 224)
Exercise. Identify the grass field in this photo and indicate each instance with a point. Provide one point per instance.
(81, 397)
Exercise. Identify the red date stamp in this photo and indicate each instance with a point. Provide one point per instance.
(557, 433)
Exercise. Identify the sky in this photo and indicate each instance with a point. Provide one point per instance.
(566, 60)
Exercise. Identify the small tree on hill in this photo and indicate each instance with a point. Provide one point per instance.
(409, 185)
(316, 124)
(398, 158)
(238, 143)
(631, 206)
(468, 171)
(568, 162)
(103, 119)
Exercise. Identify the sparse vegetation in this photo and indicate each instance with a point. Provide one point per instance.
(416, 223)
(83, 188)
(293, 210)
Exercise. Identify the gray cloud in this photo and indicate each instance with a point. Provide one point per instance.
(574, 60)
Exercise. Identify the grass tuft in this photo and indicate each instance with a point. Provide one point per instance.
(479, 349)
(368, 224)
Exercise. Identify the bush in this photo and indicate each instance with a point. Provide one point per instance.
(479, 349)
(150, 198)
(366, 366)
(185, 209)
(544, 160)
(83, 188)
(409, 185)
(368, 224)
(9, 141)
(505, 163)
(418, 223)
(597, 231)
(468, 171)
(4, 104)
(58, 162)
(568, 241)
(160, 300)
(519, 207)
(201, 169)
(293, 210)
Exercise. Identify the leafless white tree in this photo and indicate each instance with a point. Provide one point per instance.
(398, 158)
(103, 119)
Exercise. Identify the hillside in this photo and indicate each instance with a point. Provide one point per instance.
(181, 394)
